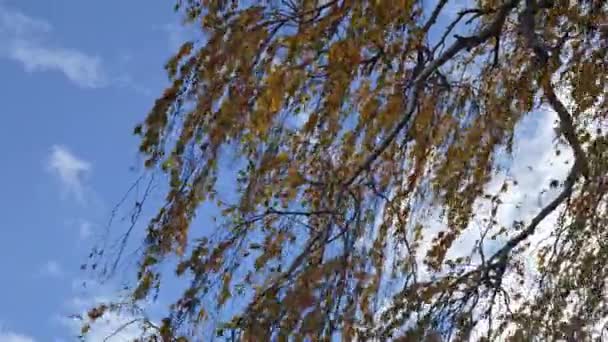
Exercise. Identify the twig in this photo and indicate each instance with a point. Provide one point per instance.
(452, 25)
(434, 15)
(120, 328)
(531, 228)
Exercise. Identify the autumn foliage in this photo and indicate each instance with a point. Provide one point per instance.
(351, 122)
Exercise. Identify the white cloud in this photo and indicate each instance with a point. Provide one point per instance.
(70, 170)
(111, 327)
(534, 165)
(22, 40)
(17, 23)
(52, 269)
(81, 227)
(78, 67)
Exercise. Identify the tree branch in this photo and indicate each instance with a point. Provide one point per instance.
(542, 53)
(417, 84)
(453, 24)
(434, 15)
(567, 127)
(120, 328)
(300, 213)
(580, 166)
(531, 228)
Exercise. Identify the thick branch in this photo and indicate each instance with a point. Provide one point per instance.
(567, 127)
(580, 166)
(546, 211)
(543, 61)
(469, 42)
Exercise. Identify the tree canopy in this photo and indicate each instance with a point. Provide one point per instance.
(352, 123)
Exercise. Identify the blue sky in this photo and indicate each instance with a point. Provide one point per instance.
(76, 77)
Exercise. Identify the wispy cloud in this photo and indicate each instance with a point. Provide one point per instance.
(81, 227)
(70, 170)
(78, 67)
(16, 23)
(9, 336)
(85, 230)
(22, 39)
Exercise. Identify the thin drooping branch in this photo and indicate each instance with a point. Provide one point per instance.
(306, 258)
(120, 329)
(300, 213)
(145, 323)
(460, 44)
(469, 42)
(546, 211)
(434, 15)
(498, 261)
(134, 217)
(453, 24)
